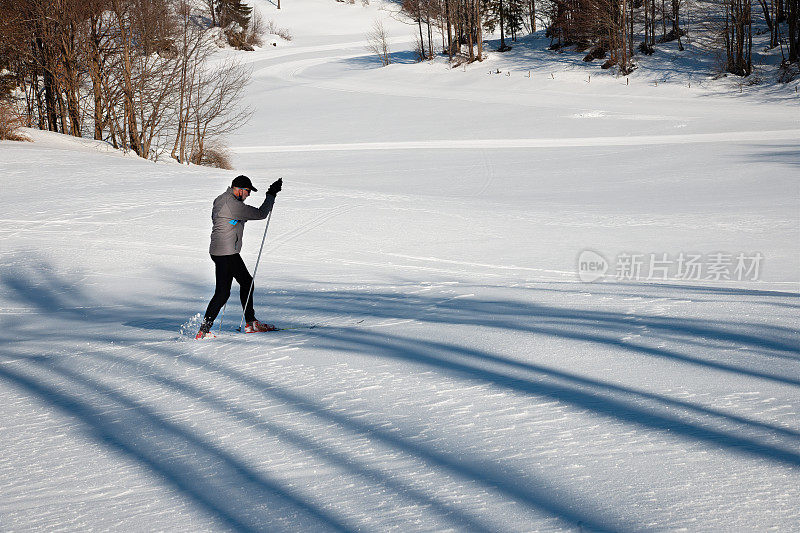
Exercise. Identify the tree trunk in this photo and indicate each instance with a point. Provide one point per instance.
(470, 17)
(653, 22)
(630, 31)
(419, 24)
(449, 30)
(624, 37)
(502, 31)
(95, 73)
(212, 8)
(127, 83)
(430, 30)
(116, 131)
(40, 105)
(49, 82)
(479, 33)
(176, 153)
(532, 13)
(67, 44)
(676, 26)
(739, 37)
(794, 30)
(767, 13)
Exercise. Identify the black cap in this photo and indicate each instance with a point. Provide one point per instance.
(243, 182)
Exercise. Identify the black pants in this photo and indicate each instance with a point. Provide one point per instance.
(228, 268)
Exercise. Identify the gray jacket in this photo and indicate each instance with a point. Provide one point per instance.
(228, 217)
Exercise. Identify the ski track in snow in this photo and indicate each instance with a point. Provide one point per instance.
(459, 377)
(486, 144)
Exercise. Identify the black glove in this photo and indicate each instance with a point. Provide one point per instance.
(275, 188)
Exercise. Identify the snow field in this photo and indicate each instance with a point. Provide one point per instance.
(460, 378)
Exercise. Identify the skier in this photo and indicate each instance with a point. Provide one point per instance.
(229, 215)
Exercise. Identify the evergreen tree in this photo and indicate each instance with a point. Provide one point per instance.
(495, 14)
(515, 13)
(491, 15)
(229, 11)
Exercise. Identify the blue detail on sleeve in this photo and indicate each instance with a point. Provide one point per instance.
(233, 222)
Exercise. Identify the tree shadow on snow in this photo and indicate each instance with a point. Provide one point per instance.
(110, 392)
(371, 61)
(786, 154)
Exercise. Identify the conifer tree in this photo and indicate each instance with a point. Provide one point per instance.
(229, 11)
(515, 13)
(496, 14)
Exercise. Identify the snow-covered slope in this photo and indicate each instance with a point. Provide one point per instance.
(461, 376)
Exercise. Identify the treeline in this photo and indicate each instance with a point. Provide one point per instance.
(612, 30)
(134, 73)
(460, 24)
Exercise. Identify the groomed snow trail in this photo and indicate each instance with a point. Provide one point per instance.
(488, 144)
(460, 377)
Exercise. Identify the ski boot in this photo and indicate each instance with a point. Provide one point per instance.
(258, 327)
(205, 332)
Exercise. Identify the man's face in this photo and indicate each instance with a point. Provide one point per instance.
(242, 194)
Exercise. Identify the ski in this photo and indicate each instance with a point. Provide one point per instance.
(312, 326)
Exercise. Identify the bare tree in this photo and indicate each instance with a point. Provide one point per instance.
(770, 8)
(192, 50)
(123, 19)
(136, 69)
(216, 109)
(676, 26)
(378, 42)
(738, 34)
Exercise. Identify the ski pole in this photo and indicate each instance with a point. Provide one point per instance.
(255, 270)
(222, 317)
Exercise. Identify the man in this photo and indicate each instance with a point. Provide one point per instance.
(228, 216)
